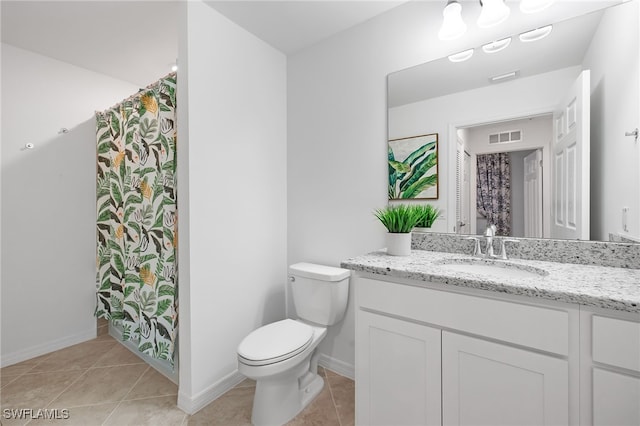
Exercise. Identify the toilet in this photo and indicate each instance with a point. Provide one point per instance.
(281, 356)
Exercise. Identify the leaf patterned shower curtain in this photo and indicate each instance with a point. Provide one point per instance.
(136, 225)
(493, 199)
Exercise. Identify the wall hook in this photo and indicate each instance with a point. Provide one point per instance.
(634, 132)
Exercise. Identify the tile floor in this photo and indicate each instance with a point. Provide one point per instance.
(101, 382)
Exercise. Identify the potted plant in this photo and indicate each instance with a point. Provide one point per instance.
(399, 220)
(428, 215)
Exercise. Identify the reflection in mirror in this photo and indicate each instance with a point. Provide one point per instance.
(559, 119)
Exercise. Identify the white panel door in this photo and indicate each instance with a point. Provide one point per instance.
(533, 195)
(397, 372)
(463, 169)
(570, 164)
(486, 383)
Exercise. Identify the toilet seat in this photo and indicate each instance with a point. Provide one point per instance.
(275, 342)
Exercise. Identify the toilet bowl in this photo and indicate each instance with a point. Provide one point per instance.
(279, 396)
(281, 356)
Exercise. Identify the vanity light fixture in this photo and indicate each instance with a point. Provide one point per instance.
(452, 25)
(497, 46)
(494, 12)
(461, 56)
(502, 77)
(537, 34)
(533, 6)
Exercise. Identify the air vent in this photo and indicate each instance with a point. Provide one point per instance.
(506, 137)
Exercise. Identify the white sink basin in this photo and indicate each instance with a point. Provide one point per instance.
(493, 268)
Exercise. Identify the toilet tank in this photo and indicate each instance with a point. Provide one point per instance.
(320, 293)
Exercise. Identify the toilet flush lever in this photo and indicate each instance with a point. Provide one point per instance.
(634, 133)
(292, 279)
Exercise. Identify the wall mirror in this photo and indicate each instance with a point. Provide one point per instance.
(551, 114)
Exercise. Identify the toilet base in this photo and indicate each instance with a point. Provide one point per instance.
(278, 401)
(312, 390)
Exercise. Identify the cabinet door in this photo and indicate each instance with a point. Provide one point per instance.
(486, 383)
(397, 372)
(616, 399)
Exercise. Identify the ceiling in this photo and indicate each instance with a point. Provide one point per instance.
(564, 47)
(290, 26)
(137, 41)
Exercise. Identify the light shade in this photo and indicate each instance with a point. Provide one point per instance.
(493, 13)
(461, 56)
(497, 46)
(452, 25)
(537, 34)
(533, 6)
(503, 77)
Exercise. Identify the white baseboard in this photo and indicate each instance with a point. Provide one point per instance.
(337, 366)
(192, 404)
(47, 347)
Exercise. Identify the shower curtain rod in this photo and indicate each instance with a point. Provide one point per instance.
(171, 74)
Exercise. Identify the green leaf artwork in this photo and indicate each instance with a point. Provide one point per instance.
(413, 167)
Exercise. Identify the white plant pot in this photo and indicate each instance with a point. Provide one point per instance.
(399, 244)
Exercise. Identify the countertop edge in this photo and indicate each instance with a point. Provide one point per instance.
(420, 273)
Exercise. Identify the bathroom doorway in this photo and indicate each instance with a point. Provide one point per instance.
(524, 144)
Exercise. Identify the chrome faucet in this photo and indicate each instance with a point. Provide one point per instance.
(489, 233)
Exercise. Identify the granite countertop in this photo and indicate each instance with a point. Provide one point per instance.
(598, 286)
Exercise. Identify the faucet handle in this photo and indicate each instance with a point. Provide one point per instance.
(503, 248)
(490, 231)
(476, 247)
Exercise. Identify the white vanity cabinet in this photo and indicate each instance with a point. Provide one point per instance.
(426, 356)
(611, 369)
(486, 383)
(399, 372)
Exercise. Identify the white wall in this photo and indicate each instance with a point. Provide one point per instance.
(337, 156)
(48, 201)
(232, 196)
(337, 143)
(337, 135)
(614, 111)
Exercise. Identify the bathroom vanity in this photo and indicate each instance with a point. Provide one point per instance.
(445, 338)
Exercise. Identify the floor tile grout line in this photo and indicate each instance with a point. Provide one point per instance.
(333, 400)
(11, 380)
(48, 405)
(123, 398)
(93, 367)
(34, 365)
(147, 397)
(31, 371)
(47, 372)
(104, 354)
